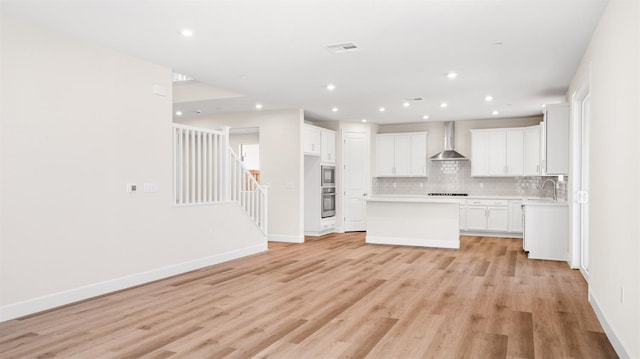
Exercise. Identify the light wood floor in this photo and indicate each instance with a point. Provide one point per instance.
(334, 297)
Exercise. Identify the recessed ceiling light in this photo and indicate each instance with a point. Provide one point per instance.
(498, 43)
(381, 109)
(443, 105)
(335, 109)
(331, 87)
(452, 75)
(488, 98)
(259, 106)
(425, 117)
(406, 104)
(243, 76)
(186, 32)
(495, 112)
(543, 105)
(364, 120)
(178, 113)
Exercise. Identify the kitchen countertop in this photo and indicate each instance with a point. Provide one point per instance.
(414, 199)
(543, 202)
(454, 199)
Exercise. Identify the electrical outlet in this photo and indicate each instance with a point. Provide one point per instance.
(481, 185)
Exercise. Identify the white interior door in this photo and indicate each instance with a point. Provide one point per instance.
(355, 180)
(579, 176)
(583, 193)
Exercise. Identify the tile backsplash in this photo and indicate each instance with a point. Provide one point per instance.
(455, 176)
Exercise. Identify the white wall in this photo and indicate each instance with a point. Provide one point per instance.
(613, 59)
(79, 122)
(281, 165)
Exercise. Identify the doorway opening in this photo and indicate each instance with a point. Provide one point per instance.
(247, 142)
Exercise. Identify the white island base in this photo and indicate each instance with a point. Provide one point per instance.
(413, 222)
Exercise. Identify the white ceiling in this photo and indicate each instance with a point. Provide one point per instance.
(406, 49)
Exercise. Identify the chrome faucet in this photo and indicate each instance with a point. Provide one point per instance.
(555, 187)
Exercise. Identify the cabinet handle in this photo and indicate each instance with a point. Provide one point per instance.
(537, 168)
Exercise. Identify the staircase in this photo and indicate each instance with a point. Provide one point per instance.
(206, 171)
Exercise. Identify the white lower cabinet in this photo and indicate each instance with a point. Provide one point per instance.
(486, 215)
(546, 231)
(476, 218)
(515, 216)
(498, 219)
(463, 217)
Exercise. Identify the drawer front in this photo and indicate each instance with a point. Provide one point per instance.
(487, 202)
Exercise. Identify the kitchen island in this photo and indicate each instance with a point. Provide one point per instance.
(414, 221)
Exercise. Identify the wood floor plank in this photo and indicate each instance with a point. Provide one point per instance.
(334, 297)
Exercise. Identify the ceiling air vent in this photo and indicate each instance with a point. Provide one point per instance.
(342, 48)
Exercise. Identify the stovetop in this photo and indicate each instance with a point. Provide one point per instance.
(447, 194)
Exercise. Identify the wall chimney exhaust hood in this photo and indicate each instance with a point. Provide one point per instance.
(449, 153)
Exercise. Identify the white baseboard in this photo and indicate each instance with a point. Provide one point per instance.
(319, 233)
(611, 335)
(285, 238)
(50, 301)
(492, 234)
(420, 242)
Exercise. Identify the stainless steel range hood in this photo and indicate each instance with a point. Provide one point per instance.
(449, 153)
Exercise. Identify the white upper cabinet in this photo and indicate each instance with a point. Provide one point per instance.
(419, 160)
(385, 155)
(328, 146)
(532, 151)
(319, 142)
(479, 153)
(311, 140)
(514, 160)
(497, 152)
(401, 154)
(556, 140)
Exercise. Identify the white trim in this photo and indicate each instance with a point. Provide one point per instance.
(49, 301)
(319, 233)
(420, 242)
(611, 335)
(286, 238)
(582, 90)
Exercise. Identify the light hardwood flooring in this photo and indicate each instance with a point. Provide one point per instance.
(334, 297)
